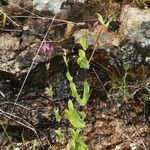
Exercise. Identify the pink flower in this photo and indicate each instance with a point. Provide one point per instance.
(47, 48)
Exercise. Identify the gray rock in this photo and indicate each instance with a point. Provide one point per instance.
(51, 5)
(135, 26)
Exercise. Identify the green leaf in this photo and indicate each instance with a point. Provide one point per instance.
(49, 91)
(82, 146)
(57, 114)
(73, 89)
(86, 93)
(73, 116)
(79, 144)
(83, 115)
(69, 77)
(109, 20)
(83, 43)
(71, 145)
(82, 60)
(83, 63)
(65, 59)
(82, 53)
(103, 22)
(74, 119)
(75, 93)
(60, 135)
(70, 105)
(101, 19)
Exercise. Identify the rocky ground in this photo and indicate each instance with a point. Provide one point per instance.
(112, 120)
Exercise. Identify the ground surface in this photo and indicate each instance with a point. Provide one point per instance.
(109, 122)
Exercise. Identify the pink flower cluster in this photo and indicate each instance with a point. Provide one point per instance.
(47, 48)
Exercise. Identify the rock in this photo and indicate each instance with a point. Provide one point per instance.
(135, 26)
(99, 36)
(16, 57)
(51, 5)
(13, 58)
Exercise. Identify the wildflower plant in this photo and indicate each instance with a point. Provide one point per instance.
(86, 93)
(76, 118)
(84, 64)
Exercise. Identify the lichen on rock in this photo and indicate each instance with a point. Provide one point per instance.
(126, 57)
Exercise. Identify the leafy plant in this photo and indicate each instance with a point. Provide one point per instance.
(49, 91)
(73, 117)
(60, 135)
(84, 43)
(82, 61)
(86, 93)
(57, 114)
(104, 22)
(76, 142)
(120, 90)
(77, 119)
